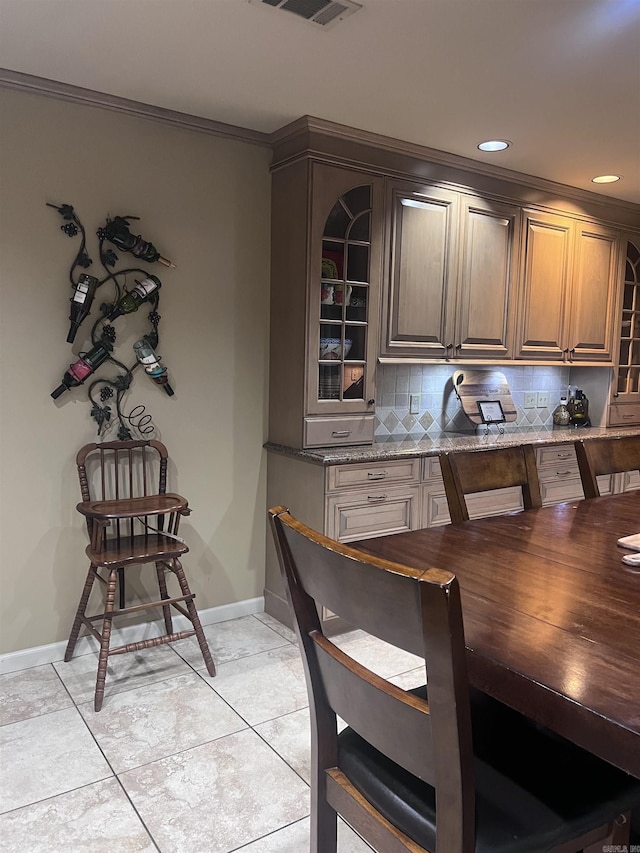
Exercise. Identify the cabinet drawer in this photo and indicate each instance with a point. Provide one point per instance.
(326, 432)
(560, 489)
(556, 458)
(431, 469)
(372, 512)
(624, 415)
(352, 476)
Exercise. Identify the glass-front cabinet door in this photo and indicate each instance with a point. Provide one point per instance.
(344, 291)
(625, 398)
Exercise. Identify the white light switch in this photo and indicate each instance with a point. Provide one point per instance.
(414, 404)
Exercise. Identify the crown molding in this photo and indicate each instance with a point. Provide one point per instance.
(89, 97)
(303, 128)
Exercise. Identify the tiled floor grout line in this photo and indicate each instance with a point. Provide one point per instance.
(267, 835)
(140, 818)
(283, 645)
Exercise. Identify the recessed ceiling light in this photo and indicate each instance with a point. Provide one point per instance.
(494, 145)
(605, 179)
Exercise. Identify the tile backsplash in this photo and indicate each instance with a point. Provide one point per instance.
(440, 409)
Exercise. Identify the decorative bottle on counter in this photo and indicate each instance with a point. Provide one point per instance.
(83, 367)
(131, 301)
(147, 357)
(117, 232)
(85, 290)
(561, 415)
(579, 409)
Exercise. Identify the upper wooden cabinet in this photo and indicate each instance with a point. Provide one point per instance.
(325, 279)
(451, 263)
(569, 290)
(487, 279)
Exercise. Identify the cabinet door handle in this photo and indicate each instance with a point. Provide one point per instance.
(340, 433)
(376, 498)
(376, 475)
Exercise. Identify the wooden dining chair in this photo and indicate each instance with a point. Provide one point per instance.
(598, 456)
(131, 519)
(443, 768)
(468, 472)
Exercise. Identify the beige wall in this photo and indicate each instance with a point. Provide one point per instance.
(204, 202)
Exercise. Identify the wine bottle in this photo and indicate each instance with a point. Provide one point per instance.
(147, 357)
(85, 290)
(83, 367)
(132, 300)
(117, 232)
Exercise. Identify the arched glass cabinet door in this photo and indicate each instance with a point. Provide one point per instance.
(344, 303)
(627, 388)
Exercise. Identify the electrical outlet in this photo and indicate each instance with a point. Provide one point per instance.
(414, 404)
(530, 400)
(543, 399)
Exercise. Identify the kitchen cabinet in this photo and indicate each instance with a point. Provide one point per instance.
(325, 279)
(624, 408)
(451, 261)
(569, 290)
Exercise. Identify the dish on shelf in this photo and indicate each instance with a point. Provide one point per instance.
(331, 348)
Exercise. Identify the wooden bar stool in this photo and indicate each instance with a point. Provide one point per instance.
(468, 472)
(131, 519)
(598, 456)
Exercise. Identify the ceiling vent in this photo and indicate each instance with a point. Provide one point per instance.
(325, 13)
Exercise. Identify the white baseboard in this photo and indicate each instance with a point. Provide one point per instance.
(38, 655)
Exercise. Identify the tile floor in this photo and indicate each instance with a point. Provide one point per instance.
(176, 761)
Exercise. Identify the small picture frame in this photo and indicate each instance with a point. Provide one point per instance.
(491, 411)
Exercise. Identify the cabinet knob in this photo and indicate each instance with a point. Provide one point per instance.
(370, 402)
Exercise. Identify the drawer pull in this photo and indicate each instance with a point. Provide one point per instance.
(563, 455)
(376, 498)
(562, 473)
(376, 475)
(340, 433)
(627, 417)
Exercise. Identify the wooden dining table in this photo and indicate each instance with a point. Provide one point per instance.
(551, 614)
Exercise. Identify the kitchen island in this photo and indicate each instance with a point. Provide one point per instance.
(394, 485)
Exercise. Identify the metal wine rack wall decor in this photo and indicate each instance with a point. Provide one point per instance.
(103, 392)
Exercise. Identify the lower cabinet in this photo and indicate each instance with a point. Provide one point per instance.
(559, 474)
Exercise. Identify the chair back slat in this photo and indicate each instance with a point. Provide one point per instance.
(600, 456)
(397, 723)
(469, 472)
(415, 610)
(125, 469)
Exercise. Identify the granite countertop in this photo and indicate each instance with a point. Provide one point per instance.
(399, 447)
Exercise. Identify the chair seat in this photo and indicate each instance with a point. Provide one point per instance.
(146, 547)
(534, 789)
